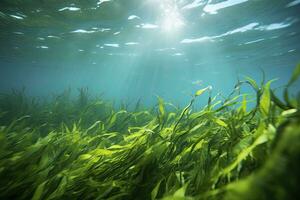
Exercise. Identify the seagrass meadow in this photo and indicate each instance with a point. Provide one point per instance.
(86, 148)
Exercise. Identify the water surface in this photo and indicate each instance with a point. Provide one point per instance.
(139, 49)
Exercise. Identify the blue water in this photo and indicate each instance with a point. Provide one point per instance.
(134, 49)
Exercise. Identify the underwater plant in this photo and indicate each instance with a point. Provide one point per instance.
(88, 149)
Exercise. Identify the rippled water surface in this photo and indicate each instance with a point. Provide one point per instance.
(141, 48)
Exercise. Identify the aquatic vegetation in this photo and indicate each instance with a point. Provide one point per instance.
(87, 149)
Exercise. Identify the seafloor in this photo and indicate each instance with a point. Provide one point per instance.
(86, 148)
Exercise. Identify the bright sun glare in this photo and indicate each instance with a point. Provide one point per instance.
(171, 17)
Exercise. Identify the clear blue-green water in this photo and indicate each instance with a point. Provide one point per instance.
(149, 99)
(137, 49)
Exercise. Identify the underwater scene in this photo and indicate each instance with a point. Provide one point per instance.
(150, 99)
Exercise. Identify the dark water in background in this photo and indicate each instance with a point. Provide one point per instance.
(131, 49)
